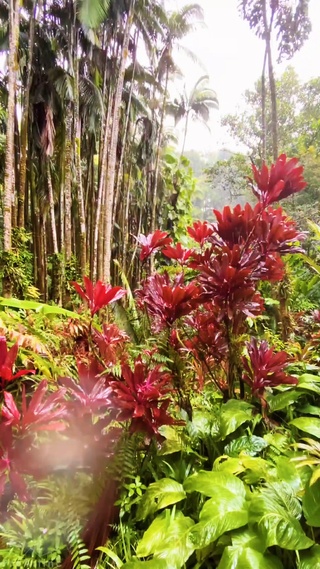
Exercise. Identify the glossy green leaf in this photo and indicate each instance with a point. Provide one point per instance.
(153, 564)
(310, 559)
(250, 445)
(167, 538)
(234, 413)
(247, 558)
(309, 425)
(274, 511)
(216, 518)
(283, 400)
(226, 510)
(211, 484)
(248, 538)
(311, 504)
(38, 307)
(158, 495)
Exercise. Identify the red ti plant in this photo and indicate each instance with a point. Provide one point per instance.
(142, 396)
(283, 179)
(7, 362)
(98, 295)
(152, 243)
(167, 301)
(264, 368)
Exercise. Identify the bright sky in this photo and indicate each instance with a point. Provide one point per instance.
(233, 57)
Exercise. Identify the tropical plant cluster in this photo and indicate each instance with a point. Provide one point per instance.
(176, 426)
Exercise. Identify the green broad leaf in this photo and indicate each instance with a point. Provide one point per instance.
(228, 465)
(248, 538)
(311, 504)
(158, 495)
(283, 400)
(309, 378)
(274, 511)
(309, 425)
(234, 413)
(247, 558)
(310, 410)
(309, 386)
(256, 468)
(310, 559)
(203, 425)
(167, 538)
(153, 564)
(212, 483)
(223, 513)
(250, 445)
(112, 555)
(286, 470)
(39, 307)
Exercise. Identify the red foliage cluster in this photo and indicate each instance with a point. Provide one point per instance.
(7, 362)
(153, 243)
(141, 395)
(264, 368)
(99, 295)
(167, 301)
(282, 180)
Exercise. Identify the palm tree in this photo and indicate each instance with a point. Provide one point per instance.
(176, 26)
(10, 167)
(197, 104)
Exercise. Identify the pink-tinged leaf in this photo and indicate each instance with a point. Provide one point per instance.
(3, 350)
(152, 243)
(19, 486)
(9, 411)
(11, 356)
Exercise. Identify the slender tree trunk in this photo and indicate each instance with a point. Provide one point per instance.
(67, 185)
(157, 163)
(125, 132)
(272, 83)
(52, 213)
(111, 171)
(184, 135)
(9, 174)
(77, 152)
(25, 120)
(263, 109)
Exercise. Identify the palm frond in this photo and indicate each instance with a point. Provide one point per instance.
(93, 12)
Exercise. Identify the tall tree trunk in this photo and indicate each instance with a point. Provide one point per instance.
(111, 170)
(77, 152)
(52, 213)
(125, 132)
(263, 110)
(157, 163)
(9, 174)
(25, 120)
(67, 185)
(272, 83)
(184, 135)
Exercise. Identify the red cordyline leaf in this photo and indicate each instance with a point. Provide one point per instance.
(9, 464)
(141, 396)
(167, 301)
(41, 414)
(284, 179)
(178, 253)
(264, 367)
(98, 295)
(7, 361)
(200, 231)
(91, 393)
(110, 343)
(152, 243)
